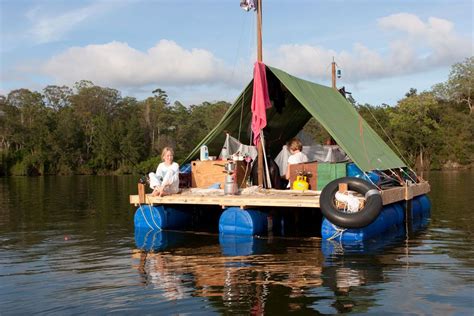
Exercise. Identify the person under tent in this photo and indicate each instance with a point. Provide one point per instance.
(297, 156)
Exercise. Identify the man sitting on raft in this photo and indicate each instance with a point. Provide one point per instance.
(166, 178)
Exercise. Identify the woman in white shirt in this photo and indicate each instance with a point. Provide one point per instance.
(166, 178)
(297, 156)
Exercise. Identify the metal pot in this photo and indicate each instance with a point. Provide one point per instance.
(230, 167)
(230, 185)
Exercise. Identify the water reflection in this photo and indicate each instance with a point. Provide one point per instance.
(242, 274)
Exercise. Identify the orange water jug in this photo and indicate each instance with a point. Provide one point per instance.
(300, 183)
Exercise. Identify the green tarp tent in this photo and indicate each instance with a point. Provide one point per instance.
(294, 102)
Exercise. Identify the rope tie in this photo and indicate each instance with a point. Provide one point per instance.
(151, 214)
(338, 232)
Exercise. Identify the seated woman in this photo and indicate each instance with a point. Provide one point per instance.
(166, 178)
(297, 156)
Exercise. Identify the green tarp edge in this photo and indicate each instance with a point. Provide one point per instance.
(341, 120)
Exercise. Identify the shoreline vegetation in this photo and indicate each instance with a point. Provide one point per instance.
(93, 130)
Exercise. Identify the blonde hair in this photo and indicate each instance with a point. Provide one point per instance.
(295, 144)
(165, 150)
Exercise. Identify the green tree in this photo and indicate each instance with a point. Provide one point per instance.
(89, 103)
(32, 131)
(378, 117)
(57, 97)
(416, 128)
(459, 87)
(155, 115)
(68, 141)
(132, 145)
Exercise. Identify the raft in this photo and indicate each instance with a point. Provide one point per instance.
(249, 213)
(358, 188)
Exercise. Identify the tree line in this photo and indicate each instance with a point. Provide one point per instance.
(90, 129)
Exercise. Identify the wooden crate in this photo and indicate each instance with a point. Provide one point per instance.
(209, 172)
(308, 167)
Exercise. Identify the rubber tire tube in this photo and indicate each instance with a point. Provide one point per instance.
(360, 219)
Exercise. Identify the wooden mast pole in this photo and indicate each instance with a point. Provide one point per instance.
(259, 59)
(259, 31)
(333, 71)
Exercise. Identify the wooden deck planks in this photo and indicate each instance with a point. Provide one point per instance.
(274, 198)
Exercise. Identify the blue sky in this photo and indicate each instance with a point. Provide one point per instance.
(204, 50)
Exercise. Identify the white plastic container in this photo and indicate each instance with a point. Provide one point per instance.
(224, 153)
(204, 154)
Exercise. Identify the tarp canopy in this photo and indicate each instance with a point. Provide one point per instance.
(294, 102)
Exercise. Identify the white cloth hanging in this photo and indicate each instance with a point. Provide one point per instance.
(232, 146)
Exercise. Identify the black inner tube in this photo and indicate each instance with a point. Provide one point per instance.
(362, 218)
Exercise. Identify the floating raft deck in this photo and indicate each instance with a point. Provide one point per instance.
(254, 197)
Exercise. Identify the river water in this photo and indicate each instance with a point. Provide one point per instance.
(68, 246)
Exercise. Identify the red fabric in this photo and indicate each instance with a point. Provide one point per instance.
(260, 100)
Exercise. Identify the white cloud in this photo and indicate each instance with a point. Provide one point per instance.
(119, 65)
(417, 46)
(49, 28)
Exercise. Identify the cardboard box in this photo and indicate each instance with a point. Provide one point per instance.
(209, 172)
(310, 169)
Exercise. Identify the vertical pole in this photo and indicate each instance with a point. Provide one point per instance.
(333, 72)
(330, 140)
(259, 31)
(141, 193)
(259, 59)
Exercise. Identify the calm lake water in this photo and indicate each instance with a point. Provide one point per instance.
(68, 246)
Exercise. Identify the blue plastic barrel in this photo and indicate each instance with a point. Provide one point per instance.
(400, 212)
(416, 208)
(425, 205)
(160, 217)
(237, 221)
(389, 218)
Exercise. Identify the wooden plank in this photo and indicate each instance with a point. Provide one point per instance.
(272, 198)
(141, 193)
(421, 188)
(233, 200)
(408, 193)
(393, 195)
(206, 173)
(404, 193)
(343, 187)
(310, 169)
(209, 172)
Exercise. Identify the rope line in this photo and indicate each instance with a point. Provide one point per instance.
(391, 141)
(151, 213)
(144, 217)
(241, 115)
